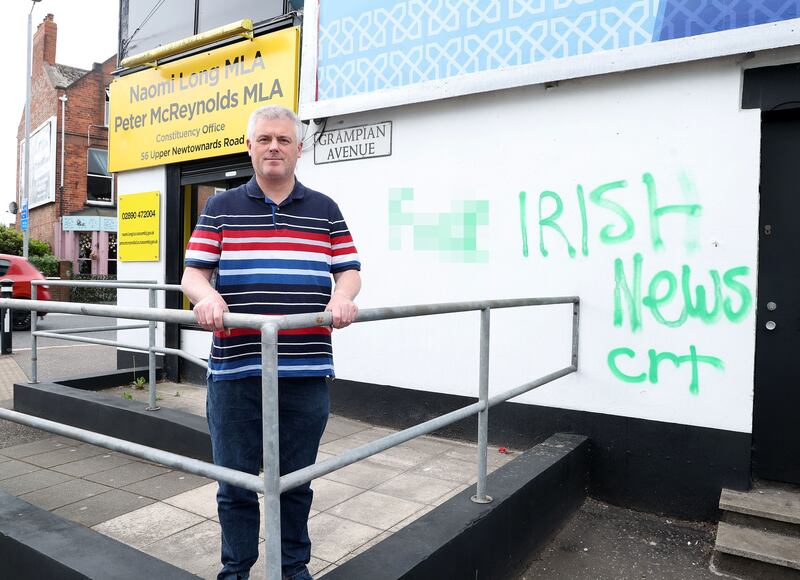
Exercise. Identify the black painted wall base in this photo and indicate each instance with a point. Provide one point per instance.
(36, 545)
(648, 465)
(533, 496)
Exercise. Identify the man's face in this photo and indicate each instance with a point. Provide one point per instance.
(274, 149)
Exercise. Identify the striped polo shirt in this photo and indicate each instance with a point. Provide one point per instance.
(273, 260)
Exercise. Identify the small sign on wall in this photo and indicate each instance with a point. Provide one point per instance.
(139, 226)
(351, 143)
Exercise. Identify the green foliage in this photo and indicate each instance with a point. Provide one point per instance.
(11, 243)
(38, 248)
(47, 265)
(139, 383)
(93, 295)
(127, 395)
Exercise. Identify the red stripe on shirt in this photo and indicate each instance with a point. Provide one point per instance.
(263, 233)
(254, 246)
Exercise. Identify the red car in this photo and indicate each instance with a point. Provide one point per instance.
(21, 271)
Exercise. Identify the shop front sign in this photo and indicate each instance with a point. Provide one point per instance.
(139, 226)
(197, 107)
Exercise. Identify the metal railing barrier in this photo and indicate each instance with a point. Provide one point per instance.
(69, 334)
(273, 484)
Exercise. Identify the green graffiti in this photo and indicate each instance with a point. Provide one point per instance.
(692, 357)
(655, 359)
(654, 302)
(606, 233)
(453, 235)
(584, 222)
(622, 227)
(612, 365)
(663, 289)
(655, 212)
(692, 226)
(745, 296)
(696, 307)
(632, 297)
(550, 221)
(523, 221)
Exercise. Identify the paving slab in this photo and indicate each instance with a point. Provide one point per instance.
(334, 537)
(149, 524)
(201, 501)
(62, 494)
(127, 474)
(64, 455)
(328, 493)
(103, 507)
(376, 509)
(32, 481)
(36, 447)
(13, 468)
(442, 467)
(167, 485)
(364, 474)
(195, 549)
(90, 465)
(401, 457)
(430, 445)
(416, 487)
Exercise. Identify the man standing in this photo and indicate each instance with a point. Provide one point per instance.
(276, 244)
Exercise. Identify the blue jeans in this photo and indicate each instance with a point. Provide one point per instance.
(233, 409)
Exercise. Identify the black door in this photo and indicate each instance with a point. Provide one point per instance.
(776, 405)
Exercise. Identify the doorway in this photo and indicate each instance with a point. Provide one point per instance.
(776, 403)
(188, 187)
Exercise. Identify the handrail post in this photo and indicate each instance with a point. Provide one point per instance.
(271, 451)
(576, 319)
(34, 339)
(151, 355)
(483, 416)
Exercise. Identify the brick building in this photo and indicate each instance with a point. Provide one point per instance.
(76, 215)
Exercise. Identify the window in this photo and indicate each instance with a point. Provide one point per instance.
(212, 13)
(147, 24)
(99, 182)
(85, 253)
(105, 111)
(112, 254)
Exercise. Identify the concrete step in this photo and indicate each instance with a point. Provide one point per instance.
(776, 502)
(763, 546)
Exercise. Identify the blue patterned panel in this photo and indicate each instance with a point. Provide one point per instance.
(682, 18)
(368, 46)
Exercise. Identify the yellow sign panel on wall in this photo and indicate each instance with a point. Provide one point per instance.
(139, 227)
(197, 107)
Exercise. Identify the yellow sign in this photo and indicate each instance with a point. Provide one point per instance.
(197, 107)
(139, 226)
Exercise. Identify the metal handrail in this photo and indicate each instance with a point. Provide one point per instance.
(273, 484)
(68, 334)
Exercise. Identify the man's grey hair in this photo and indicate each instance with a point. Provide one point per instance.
(274, 112)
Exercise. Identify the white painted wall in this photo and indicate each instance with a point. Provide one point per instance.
(681, 124)
(138, 181)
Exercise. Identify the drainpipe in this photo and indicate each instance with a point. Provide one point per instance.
(63, 99)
